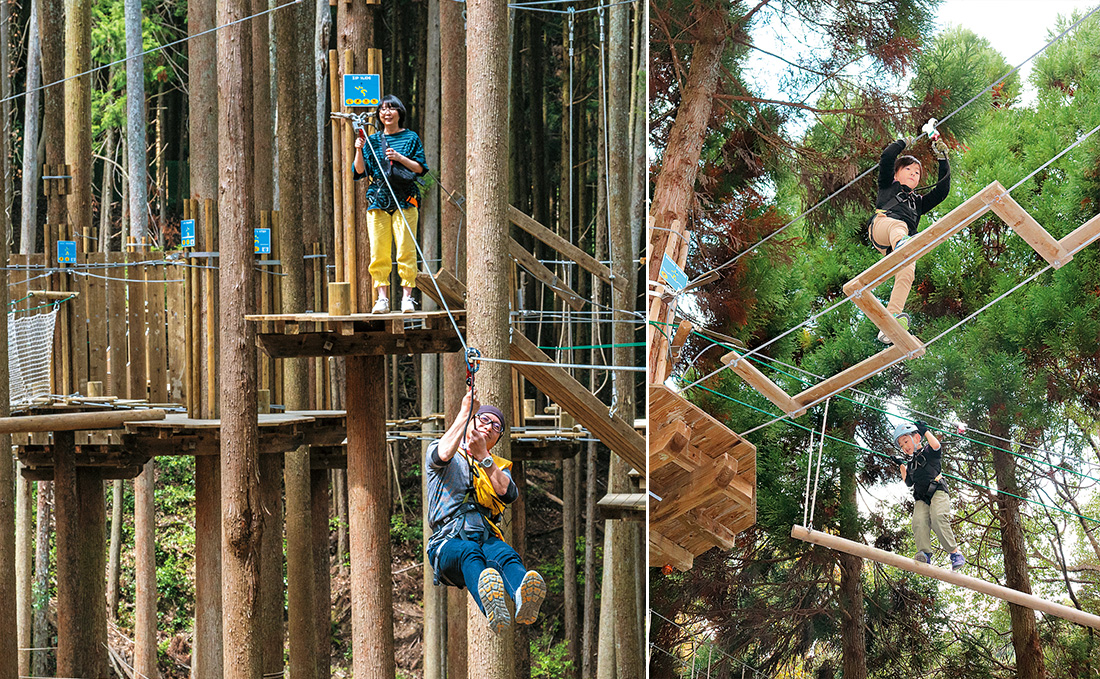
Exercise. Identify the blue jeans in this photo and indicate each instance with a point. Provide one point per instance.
(461, 561)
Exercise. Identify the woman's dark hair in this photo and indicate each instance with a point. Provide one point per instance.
(902, 161)
(392, 102)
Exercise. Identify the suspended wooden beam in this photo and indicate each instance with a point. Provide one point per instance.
(1081, 236)
(544, 275)
(886, 322)
(758, 381)
(585, 260)
(665, 552)
(853, 375)
(1018, 219)
(946, 575)
(110, 419)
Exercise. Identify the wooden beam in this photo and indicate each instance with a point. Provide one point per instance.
(720, 536)
(454, 292)
(693, 489)
(544, 275)
(582, 258)
(665, 552)
(110, 419)
(851, 376)
(378, 343)
(758, 381)
(898, 561)
(1031, 231)
(1081, 236)
(668, 444)
(630, 506)
(886, 322)
(928, 239)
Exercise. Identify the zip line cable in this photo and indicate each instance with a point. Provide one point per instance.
(873, 168)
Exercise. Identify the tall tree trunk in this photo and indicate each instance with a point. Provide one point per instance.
(852, 623)
(242, 516)
(263, 129)
(160, 157)
(322, 36)
(272, 593)
(309, 162)
(135, 123)
(322, 594)
(41, 596)
(606, 648)
(569, 545)
(295, 111)
(78, 112)
(9, 630)
(675, 183)
(51, 21)
(145, 573)
(487, 264)
(31, 166)
(107, 190)
(1025, 632)
(114, 561)
(24, 571)
(638, 132)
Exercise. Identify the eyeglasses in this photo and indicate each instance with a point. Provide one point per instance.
(491, 421)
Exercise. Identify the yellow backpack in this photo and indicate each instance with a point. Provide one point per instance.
(483, 492)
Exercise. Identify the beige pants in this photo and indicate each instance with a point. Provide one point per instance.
(384, 230)
(937, 517)
(887, 230)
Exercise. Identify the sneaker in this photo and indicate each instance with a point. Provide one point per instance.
(957, 561)
(529, 597)
(903, 321)
(490, 589)
(382, 306)
(407, 305)
(924, 557)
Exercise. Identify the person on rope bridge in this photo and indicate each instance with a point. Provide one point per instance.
(400, 160)
(469, 488)
(898, 209)
(932, 510)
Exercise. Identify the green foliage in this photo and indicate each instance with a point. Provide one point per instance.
(402, 532)
(549, 659)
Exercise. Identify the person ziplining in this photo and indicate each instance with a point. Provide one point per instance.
(396, 158)
(898, 209)
(469, 488)
(922, 472)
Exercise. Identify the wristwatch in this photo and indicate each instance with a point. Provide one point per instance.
(487, 462)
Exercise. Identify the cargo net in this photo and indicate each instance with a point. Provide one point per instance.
(30, 350)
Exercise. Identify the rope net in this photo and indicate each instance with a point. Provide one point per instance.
(30, 350)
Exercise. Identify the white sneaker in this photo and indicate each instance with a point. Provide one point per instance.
(382, 306)
(407, 304)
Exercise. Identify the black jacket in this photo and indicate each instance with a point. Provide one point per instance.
(921, 472)
(901, 202)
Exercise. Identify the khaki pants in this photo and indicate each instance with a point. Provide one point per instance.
(384, 230)
(887, 230)
(936, 516)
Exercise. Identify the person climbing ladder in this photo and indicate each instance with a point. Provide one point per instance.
(468, 489)
(922, 472)
(898, 209)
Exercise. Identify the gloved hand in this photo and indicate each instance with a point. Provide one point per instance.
(939, 149)
(921, 428)
(909, 141)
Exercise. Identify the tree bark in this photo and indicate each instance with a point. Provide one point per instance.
(145, 573)
(78, 111)
(44, 502)
(369, 508)
(51, 21)
(853, 641)
(569, 548)
(606, 648)
(675, 184)
(24, 571)
(487, 264)
(106, 193)
(114, 561)
(31, 166)
(263, 129)
(135, 123)
(206, 656)
(10, 630)
(322, 36)
(242, 519)
(319, 490)
(272, 601)
(1025, 632)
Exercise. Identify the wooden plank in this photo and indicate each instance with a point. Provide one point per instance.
(176, 332)
(1018, 219)
(668, 444)
(138, 379)
(886, 322)
(693, 489)
(928, 239)
(116, 326)
(850, 376)
(454, 292)
(544, 275)
(758, 381)
(78, 314)
(665, 552)
(946, 575)
(96, 301)
(1081, 236)
(107, 419)
(549, 237)
(156, 355)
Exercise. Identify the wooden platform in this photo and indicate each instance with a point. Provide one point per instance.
(705, 477)
(993, 198)
(946, 575)
(319, 334)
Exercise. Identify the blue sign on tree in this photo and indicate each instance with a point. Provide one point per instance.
(66, 252)
(362, 89)
(261, 241)
(673, 275)
(187, 233)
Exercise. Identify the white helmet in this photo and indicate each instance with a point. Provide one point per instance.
(904, 429)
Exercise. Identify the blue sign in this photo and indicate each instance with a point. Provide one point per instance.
(261, 241)
(66, 252)
(672, 274)
(187, 233)
(362, 89)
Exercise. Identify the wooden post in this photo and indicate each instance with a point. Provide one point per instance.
(207, 654)
(321, 565)
(351, 258)
(266, 362)
(272, 609)
(210, 308)
(339, 299)
(337, 167)
(145, 574)
(135, 324)
(369, 510)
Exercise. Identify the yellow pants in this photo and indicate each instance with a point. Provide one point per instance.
(887, 230)
(384, 229)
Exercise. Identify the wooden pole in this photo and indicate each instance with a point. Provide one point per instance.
(906, 564)
(272, 593)
(210, 309)
(323, 583)
(351, 258)
(145, 574)
(337, 168)
(110, 419)
(369, 510)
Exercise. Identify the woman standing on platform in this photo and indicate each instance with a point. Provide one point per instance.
(394, 159)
